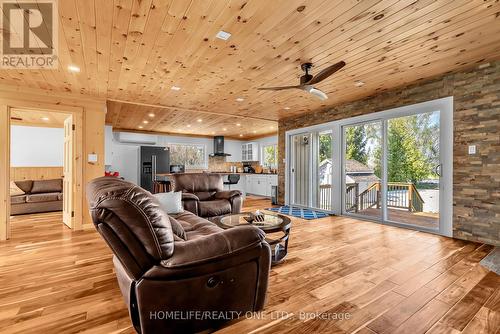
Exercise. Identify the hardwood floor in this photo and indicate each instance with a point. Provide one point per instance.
(380, 279)
(422, 219)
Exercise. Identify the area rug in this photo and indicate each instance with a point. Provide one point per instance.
(492, 260)
(299, 212)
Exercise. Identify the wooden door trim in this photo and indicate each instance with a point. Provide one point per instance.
(5, 176)
(78, 113)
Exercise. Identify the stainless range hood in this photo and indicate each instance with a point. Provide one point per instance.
(219, 147)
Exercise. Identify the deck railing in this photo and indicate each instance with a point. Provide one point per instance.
(325, 197)
(399, 195)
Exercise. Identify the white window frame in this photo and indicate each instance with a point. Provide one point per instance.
(204, 165)
(275, 155)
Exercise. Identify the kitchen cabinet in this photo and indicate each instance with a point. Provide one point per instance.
(250, 152)
(260, 184)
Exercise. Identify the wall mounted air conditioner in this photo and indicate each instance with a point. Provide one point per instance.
(136, 138)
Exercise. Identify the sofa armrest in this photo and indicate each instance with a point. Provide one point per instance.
(214, 246)
(228, 194)
(189, 197)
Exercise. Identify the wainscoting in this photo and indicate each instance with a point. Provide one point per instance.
(35, 173)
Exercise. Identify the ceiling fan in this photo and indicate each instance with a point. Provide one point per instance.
(307, 80)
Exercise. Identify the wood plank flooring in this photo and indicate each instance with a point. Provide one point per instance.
(380, 279)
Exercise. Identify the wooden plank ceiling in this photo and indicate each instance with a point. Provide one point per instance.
(125, 116)
(40, 118)
(136, 50)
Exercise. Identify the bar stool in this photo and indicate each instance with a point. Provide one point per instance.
(232, 179)
(161, 186)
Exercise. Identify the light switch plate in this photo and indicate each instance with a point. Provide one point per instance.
(92, 158)
(472, 149)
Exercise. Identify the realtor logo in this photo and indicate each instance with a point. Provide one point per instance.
(29, 34)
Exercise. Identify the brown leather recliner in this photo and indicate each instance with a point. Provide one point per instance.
(204, 194)
(168, 268)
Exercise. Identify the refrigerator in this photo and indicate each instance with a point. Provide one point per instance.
(153, 160)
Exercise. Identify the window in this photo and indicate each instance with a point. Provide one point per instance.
(270, 156)
(192, 156)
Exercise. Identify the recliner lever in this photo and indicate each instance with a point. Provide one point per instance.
(213, 281)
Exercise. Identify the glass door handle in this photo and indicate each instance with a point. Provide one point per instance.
(437, 170)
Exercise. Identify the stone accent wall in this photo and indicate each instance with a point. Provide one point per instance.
(476, 178)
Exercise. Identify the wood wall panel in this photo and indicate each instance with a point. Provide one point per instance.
(35, 173)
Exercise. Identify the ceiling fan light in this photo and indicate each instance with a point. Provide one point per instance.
(316, 92)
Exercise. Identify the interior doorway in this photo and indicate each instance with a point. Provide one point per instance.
(45, 171)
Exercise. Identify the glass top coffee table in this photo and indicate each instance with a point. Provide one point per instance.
(272, 223)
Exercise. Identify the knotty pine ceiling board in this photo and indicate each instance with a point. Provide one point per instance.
(132, 51)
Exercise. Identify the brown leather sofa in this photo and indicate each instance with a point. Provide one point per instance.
(170, 267)
(204, 194)
(39, 196)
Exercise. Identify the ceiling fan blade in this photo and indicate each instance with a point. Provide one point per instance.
(316, 92)
(279, 88)
(326, 73)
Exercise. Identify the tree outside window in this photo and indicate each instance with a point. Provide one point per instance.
(190, 155)
(270, 156)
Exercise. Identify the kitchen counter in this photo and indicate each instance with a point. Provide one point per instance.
(259, 184)
(222, 173)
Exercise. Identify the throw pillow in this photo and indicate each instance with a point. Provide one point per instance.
(15, 190)
(171, 202)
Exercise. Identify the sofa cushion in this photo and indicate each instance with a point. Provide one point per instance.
(47, 197)
(177, 228)
(195, 226)
(15, 190)
(18, 199)
(214, 208)
(47, 186)
(25, 185)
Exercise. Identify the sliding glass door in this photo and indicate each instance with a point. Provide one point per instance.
(301, 169)
(393, 166)
(413, 170)
(311, 170)
(363, 169)
(391, 170)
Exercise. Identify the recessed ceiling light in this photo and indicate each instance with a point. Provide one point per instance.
(175, 88)
(240, 99)
(151, 115)
(238, 124)
(73, 68)
(213, 132)
(188, 126)
(254, 131)
(287, 108)
(271, 127)
(199, 120)
(44, 118)
(241, 135)
(359, 83)
(224, 35)
(140, 126)
(145, 122)
(224, 129)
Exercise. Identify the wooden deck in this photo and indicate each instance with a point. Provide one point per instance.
(386, 279)
(422, 219)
